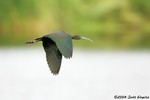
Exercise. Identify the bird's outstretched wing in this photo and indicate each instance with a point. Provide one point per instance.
(53, 55)
(63, 42)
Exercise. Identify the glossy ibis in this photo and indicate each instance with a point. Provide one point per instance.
(55, 45)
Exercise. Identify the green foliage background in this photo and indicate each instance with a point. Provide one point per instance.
(109, 23)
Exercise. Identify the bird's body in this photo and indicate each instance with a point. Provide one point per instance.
(55, 45)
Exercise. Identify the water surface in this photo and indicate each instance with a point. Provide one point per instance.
(89, 75)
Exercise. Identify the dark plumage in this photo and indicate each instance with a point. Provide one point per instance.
(55, 45)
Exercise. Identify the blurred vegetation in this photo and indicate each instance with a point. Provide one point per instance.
(110, 23)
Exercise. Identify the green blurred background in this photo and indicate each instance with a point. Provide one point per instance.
(109, 23)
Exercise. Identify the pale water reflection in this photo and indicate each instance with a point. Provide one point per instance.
(89, 75)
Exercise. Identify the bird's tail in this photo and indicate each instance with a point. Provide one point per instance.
(33, 41)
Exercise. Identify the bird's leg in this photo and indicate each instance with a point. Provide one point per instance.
(33, 41)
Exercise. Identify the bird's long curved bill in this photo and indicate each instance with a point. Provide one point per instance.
(84, 38)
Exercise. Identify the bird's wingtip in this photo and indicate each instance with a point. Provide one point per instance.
(68, 57)
(55, 74)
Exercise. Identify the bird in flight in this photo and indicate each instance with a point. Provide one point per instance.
(55, 45)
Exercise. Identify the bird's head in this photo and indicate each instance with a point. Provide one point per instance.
(77, 37)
